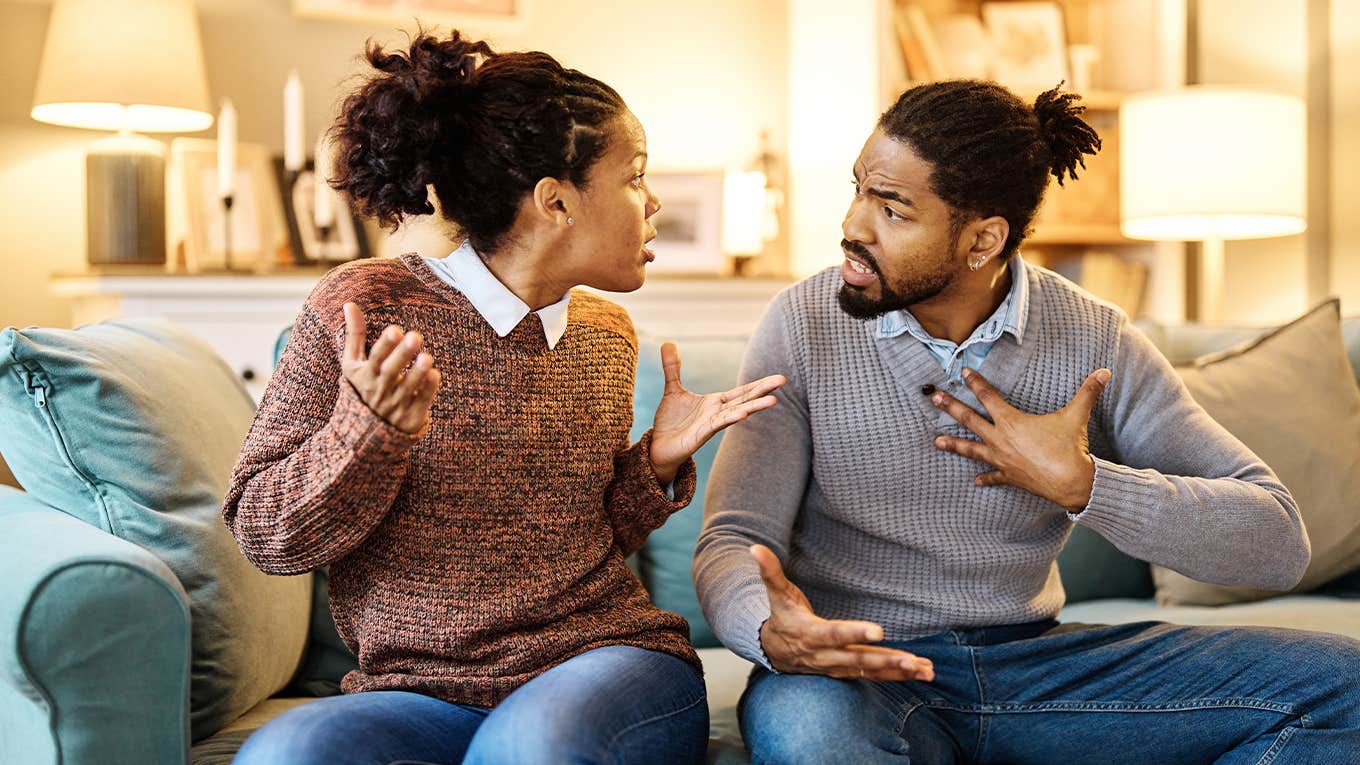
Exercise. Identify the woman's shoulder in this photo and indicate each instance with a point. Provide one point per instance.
(591, 310)
(370, 283)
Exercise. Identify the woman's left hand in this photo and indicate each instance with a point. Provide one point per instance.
(685, 420)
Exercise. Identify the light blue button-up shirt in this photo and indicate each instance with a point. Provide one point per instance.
(1009, 317)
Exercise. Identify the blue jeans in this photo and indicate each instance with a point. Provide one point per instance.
(616, 704)
(1045, 693)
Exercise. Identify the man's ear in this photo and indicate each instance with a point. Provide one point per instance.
(985, 238)
(555, 201)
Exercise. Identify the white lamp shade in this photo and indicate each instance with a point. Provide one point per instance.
(110, 64)
(743, 227)
(1210, 162)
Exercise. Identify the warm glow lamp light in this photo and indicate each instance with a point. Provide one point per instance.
(125, 65)
(1211, 163)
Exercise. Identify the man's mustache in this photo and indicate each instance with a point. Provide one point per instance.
(858, 249)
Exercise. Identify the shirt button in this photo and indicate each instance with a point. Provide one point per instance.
(927, 389)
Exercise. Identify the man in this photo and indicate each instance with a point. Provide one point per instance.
(882, 544)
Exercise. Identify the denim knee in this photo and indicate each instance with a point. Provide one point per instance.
(814, 719)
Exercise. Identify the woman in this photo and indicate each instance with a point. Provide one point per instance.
(451, 435)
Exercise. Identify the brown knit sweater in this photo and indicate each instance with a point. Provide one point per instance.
(468, 561)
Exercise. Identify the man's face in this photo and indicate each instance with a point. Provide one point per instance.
(901, 245)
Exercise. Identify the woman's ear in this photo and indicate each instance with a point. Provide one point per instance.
(556, 202)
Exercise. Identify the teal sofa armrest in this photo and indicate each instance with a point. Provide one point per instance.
(94, 644)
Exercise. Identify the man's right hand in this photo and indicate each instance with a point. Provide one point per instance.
(386, 378)
(797, 640)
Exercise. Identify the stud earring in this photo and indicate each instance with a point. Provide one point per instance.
(571, 221)
(975, 264)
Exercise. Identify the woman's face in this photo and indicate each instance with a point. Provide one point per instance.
(613, 225)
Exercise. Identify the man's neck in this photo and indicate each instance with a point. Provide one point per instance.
(955, 314)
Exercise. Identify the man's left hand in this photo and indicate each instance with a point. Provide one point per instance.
(1046, 454)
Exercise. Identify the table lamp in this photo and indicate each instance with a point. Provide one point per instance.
(1211, 163)
(125, 65)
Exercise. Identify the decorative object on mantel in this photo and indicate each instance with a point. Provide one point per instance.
(1029, 44)
(323, 226)
(125, 65)
(198, 216)
(752, 201)
(689, 225)
(1252, 147)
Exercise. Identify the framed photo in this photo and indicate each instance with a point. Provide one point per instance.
(198, 221)
(1029, 44)
(689, 224)
(312, 244)
(474, 15)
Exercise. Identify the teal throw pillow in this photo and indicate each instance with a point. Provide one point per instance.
(133, 426)
(706, 365)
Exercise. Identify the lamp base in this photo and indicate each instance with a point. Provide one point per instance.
(125, 201)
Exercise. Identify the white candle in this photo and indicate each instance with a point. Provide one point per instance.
(226, 150)
(323, 208)
(294, 151)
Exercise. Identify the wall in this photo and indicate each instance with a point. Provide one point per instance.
(704, 76)
(1345, 72)
(1258, 43)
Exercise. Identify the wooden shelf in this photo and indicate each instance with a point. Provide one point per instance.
(1078, 234)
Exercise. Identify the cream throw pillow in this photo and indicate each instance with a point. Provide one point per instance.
(1291, 397)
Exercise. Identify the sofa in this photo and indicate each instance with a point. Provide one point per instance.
(116, 646)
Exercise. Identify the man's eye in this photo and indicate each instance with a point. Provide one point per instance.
(891, 213)
(855, 185)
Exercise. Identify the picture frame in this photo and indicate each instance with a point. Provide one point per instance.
(197, 220)
(689, 223)
(308, 246)
(480, 16)
(1029, 43)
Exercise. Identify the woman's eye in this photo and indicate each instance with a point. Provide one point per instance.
(855, 185)
(637, 179)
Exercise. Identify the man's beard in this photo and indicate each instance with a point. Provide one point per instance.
(918, 289)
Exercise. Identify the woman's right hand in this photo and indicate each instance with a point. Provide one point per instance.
(399, 395)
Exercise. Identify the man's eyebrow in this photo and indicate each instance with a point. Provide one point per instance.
(891, 196)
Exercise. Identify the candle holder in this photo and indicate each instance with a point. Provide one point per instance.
(226, 230)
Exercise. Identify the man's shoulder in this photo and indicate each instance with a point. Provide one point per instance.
(1065, 304)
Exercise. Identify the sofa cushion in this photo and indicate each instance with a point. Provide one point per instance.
(133, 426)
(1292, 398)
(707, 365)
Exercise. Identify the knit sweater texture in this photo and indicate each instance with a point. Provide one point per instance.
(841, 479)
(469, 560)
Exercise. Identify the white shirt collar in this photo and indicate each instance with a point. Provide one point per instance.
(464, 270)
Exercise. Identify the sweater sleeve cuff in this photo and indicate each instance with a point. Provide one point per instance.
(738, 625)
(364, 432)
(1122, 502)
(680, 491)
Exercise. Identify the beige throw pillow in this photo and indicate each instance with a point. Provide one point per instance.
(1291, 397)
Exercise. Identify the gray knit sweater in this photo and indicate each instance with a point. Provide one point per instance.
(842, 481)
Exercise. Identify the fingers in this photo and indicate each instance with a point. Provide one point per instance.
(770, 570)
(964, 414)
(1089, 392)
(873, 663)
(400, 358)
(991, 400)
(992, 478)
(752, 389)
(965, 447)
(386, 341)
(355, 330)
(670, 366)
(737, 413)
(838, 633)
(414, 379)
